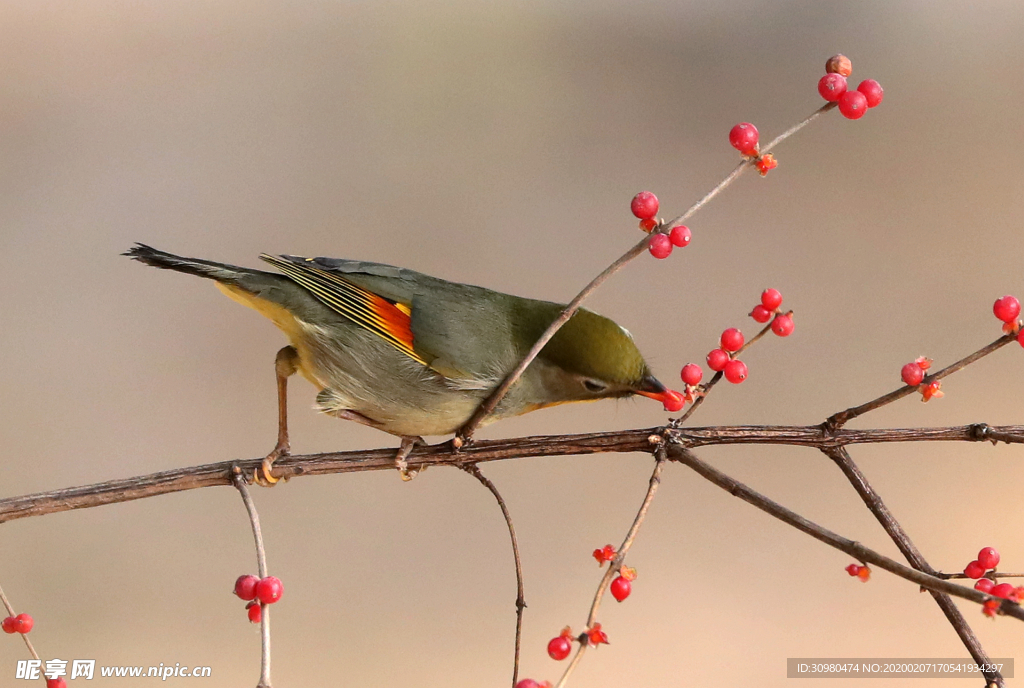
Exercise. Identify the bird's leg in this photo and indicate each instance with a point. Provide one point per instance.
(285, 366)
(404, 449)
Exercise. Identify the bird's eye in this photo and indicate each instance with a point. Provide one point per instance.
(594, 386)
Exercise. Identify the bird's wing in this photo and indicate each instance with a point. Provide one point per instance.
(388, 318)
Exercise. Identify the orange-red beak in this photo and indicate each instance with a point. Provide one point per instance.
(650, 387)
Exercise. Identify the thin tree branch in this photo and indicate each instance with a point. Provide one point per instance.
(24, 636)
(474, 471)
(881, 512)
(208, 475)
(837, 420)
(620, 556)
(261, 565)
(851, 547)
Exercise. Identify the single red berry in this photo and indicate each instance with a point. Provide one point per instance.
(648, 225)
(245, 587)
(912, 374)
(832, 86)
(853, 104)
(269, 590)
(717, 360)
(1007, 308)
(974, 570)
(1004, 590)
(255, 612)
(771, 299)
(761, 314)
(680, 236)
(872, 90)
(644, 205)
(559, 648)
(621, 588)
(732, 339)
(839, 64)
(984, 585)
(988, 557)
(1020, 337)
(852, 569)
(23, 623)
(735, 371)
(527, 683)
(691, 374)
(743, 137)
(660, 246)
(56, 682)
(8, 625)
(673, 401)
(783, 325)
(864, 573)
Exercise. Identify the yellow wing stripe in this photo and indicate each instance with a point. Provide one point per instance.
(388, 320)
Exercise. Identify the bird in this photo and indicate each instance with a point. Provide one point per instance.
(414, 355)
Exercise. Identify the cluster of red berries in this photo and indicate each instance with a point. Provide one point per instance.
(257, 592)
(912, 375)
(743, 137)
(1007, 309)
(645, 206)
(723, 359)
(833, 88)
(22, 623)
(862, 572)
(984, 570)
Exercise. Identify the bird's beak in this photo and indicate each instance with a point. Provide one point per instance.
(650, 387)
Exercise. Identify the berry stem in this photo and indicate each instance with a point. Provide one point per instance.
(261, 565)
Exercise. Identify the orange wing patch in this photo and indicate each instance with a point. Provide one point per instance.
(389, 320)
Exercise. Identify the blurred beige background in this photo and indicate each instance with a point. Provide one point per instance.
(499, 144)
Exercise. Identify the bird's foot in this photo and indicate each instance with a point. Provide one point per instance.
(404, 449)
(264, 475)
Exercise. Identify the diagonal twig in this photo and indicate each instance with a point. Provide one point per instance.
(261, 564)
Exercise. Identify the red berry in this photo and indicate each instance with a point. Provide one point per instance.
(743, 137)
(255, 612)
(974, 570)
(985, 585)
(644, 205)
(56, 682)
(23, 623)
(691, 374)
(621, 588)
(832, 86)
(735, 371)
(1004, 590)
(680, 236)
(660, 246)
(839, 64)
(8, 625)
(673, 401)
(245, 587)
(732, 339)
(912, 374)
(853, 104)
(852, 569)
(864, 573)
(990, 608)
(771, 299)
(559, 648)
(1006, 309)
(269, 590)
(872, 90)
(527, 683)
(717, 360)
(783, 325)
(988, 557)
(1020, 337)
(648, 225)
(761, 314)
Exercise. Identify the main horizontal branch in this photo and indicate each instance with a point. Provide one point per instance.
(177, 480)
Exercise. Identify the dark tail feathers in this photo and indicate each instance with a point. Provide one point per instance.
(193, 266)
